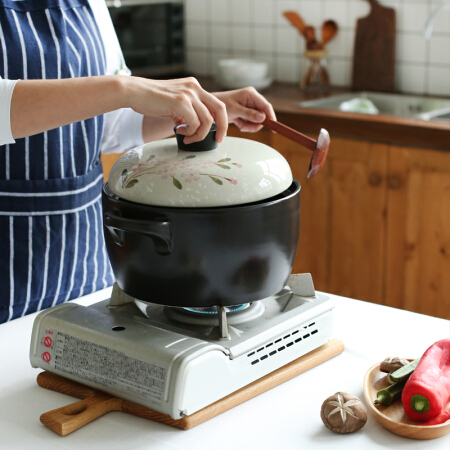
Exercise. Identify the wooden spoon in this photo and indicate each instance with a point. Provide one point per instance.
(311, 42)
(319, 147)
(296, 20)
(329, 31)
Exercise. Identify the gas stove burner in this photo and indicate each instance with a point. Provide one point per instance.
(213, 309)
(215, 315)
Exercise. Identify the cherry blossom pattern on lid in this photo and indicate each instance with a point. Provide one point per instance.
(185, 170)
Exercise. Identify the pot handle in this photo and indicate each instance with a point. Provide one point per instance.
(159, 229)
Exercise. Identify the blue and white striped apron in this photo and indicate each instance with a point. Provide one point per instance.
(50, 184)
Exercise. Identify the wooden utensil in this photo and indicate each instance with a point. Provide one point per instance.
(329, 31)
(95, 403)
(311, 41)
(393, 417)
(319, 147)
(374, 51)
(296, 20)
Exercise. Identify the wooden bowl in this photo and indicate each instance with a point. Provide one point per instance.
(393, 417)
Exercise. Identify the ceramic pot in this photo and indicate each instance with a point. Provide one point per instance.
(198, 257)
(216, 226)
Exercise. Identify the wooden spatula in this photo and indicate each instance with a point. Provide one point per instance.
(296, 20)
(319, 147)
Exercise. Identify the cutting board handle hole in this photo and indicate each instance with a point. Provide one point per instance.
(75, 410)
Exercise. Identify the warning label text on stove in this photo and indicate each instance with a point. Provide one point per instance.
(107, 367)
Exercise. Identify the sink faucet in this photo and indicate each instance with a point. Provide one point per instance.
(430, 22)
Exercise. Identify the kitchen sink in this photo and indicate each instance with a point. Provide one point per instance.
(443, 115)
(420, 107)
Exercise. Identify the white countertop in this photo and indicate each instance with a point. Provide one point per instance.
(286, 417)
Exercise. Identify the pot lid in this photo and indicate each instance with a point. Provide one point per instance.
(201, 174)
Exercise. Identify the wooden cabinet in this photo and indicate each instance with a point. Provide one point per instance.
(418, 231)
(375, 222)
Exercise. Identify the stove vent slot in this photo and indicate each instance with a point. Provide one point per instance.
(286, 345)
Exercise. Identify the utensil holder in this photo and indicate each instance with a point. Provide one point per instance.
(315, 73)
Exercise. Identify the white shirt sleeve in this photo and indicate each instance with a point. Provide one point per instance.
(123, 127)
(6, 90)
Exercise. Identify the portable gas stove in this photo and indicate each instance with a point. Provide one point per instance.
(179, 360)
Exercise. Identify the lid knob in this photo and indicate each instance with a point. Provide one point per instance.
(209, 143)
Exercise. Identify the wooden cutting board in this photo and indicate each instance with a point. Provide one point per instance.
(95, 403)
(375, 50)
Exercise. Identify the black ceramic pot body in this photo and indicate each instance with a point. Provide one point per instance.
(198, 257)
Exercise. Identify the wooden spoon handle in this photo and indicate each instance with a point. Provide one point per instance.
(290, 133)
(71, 417)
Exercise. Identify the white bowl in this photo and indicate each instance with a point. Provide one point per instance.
(242, 70)
(259, 85)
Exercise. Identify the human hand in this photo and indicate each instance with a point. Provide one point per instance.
(182, 101)
(246, 108)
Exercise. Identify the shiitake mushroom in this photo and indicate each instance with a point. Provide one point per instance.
(343, 413)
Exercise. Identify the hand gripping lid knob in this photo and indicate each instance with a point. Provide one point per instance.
(209, 143)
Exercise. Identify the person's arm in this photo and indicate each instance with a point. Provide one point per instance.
(39, 105)
(246, 108)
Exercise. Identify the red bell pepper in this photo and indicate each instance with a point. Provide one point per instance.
(441, 418)
(427, 391)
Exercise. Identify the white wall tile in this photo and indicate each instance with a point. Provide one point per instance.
(220, 37)
(337, 11)
(442, 22)
(440, 50)
(339, 46)
(438, 80)
(215, 57)
(414, 17)
(283, 5)
(311, 12)
(411, 48)
(240, 11)
(197, 35)
(287, 69)
(349, 42)
(411, 78)
(339, 71)
(269, 59)
(286, 41)
(263, 12)
(195, 10)
(263, 39)
(240, 38)
(199, 62)
(219, 11)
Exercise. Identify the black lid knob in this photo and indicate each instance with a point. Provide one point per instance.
(209, 143)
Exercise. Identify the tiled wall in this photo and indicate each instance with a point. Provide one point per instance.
(219, 29)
